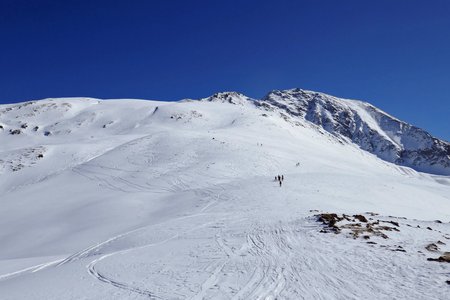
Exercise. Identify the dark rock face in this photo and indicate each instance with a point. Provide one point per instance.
(367, 126)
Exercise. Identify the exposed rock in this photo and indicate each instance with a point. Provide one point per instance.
(361, 218)
(399, 249)
(393, 223)
(443, 258)
(446, 256)
(432, 247)
(230, 97)
(387, 228)
(355, 227)
(330, 220)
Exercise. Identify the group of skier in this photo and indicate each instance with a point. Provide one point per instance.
(280, 179)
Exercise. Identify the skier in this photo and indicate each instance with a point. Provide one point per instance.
(282, 177)
(280, 183)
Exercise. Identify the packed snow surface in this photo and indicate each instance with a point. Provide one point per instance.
(134, 199)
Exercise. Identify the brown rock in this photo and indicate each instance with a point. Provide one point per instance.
(329, 219)
(443, 258)
(360, 218)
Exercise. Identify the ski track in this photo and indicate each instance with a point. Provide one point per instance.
(92, 270)
(271, 257)
(103, 278)
(32, 269)
(249, 257)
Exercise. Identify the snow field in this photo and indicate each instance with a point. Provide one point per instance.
(180, 202)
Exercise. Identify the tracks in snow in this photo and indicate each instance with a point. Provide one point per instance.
(125, 286)
(256, 262)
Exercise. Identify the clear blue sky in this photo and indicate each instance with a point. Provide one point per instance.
(392, 53)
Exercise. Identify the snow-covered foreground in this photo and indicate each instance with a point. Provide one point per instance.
(141, 199)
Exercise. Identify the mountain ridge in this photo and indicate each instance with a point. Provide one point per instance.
(351, 121)
(359, 122)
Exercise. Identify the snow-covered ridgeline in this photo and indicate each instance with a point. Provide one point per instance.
(358, 122)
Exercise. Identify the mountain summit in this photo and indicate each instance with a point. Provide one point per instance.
(367, 126)
(359, 122)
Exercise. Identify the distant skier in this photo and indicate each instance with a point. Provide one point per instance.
(280, 182)
(282, 177)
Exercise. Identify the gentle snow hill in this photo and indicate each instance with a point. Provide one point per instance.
(136, 199)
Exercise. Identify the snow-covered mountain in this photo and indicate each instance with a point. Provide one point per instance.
(369, 127)
(349, 120)
(357, 122)
(137, 199)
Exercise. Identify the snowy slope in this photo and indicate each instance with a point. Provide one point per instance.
(367, 126)
(131, 199)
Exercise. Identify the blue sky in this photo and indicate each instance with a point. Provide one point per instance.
(392, 53)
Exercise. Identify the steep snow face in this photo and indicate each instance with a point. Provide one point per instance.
(367, 126)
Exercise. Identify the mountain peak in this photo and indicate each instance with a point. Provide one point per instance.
(368, 127)
(229, 97)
